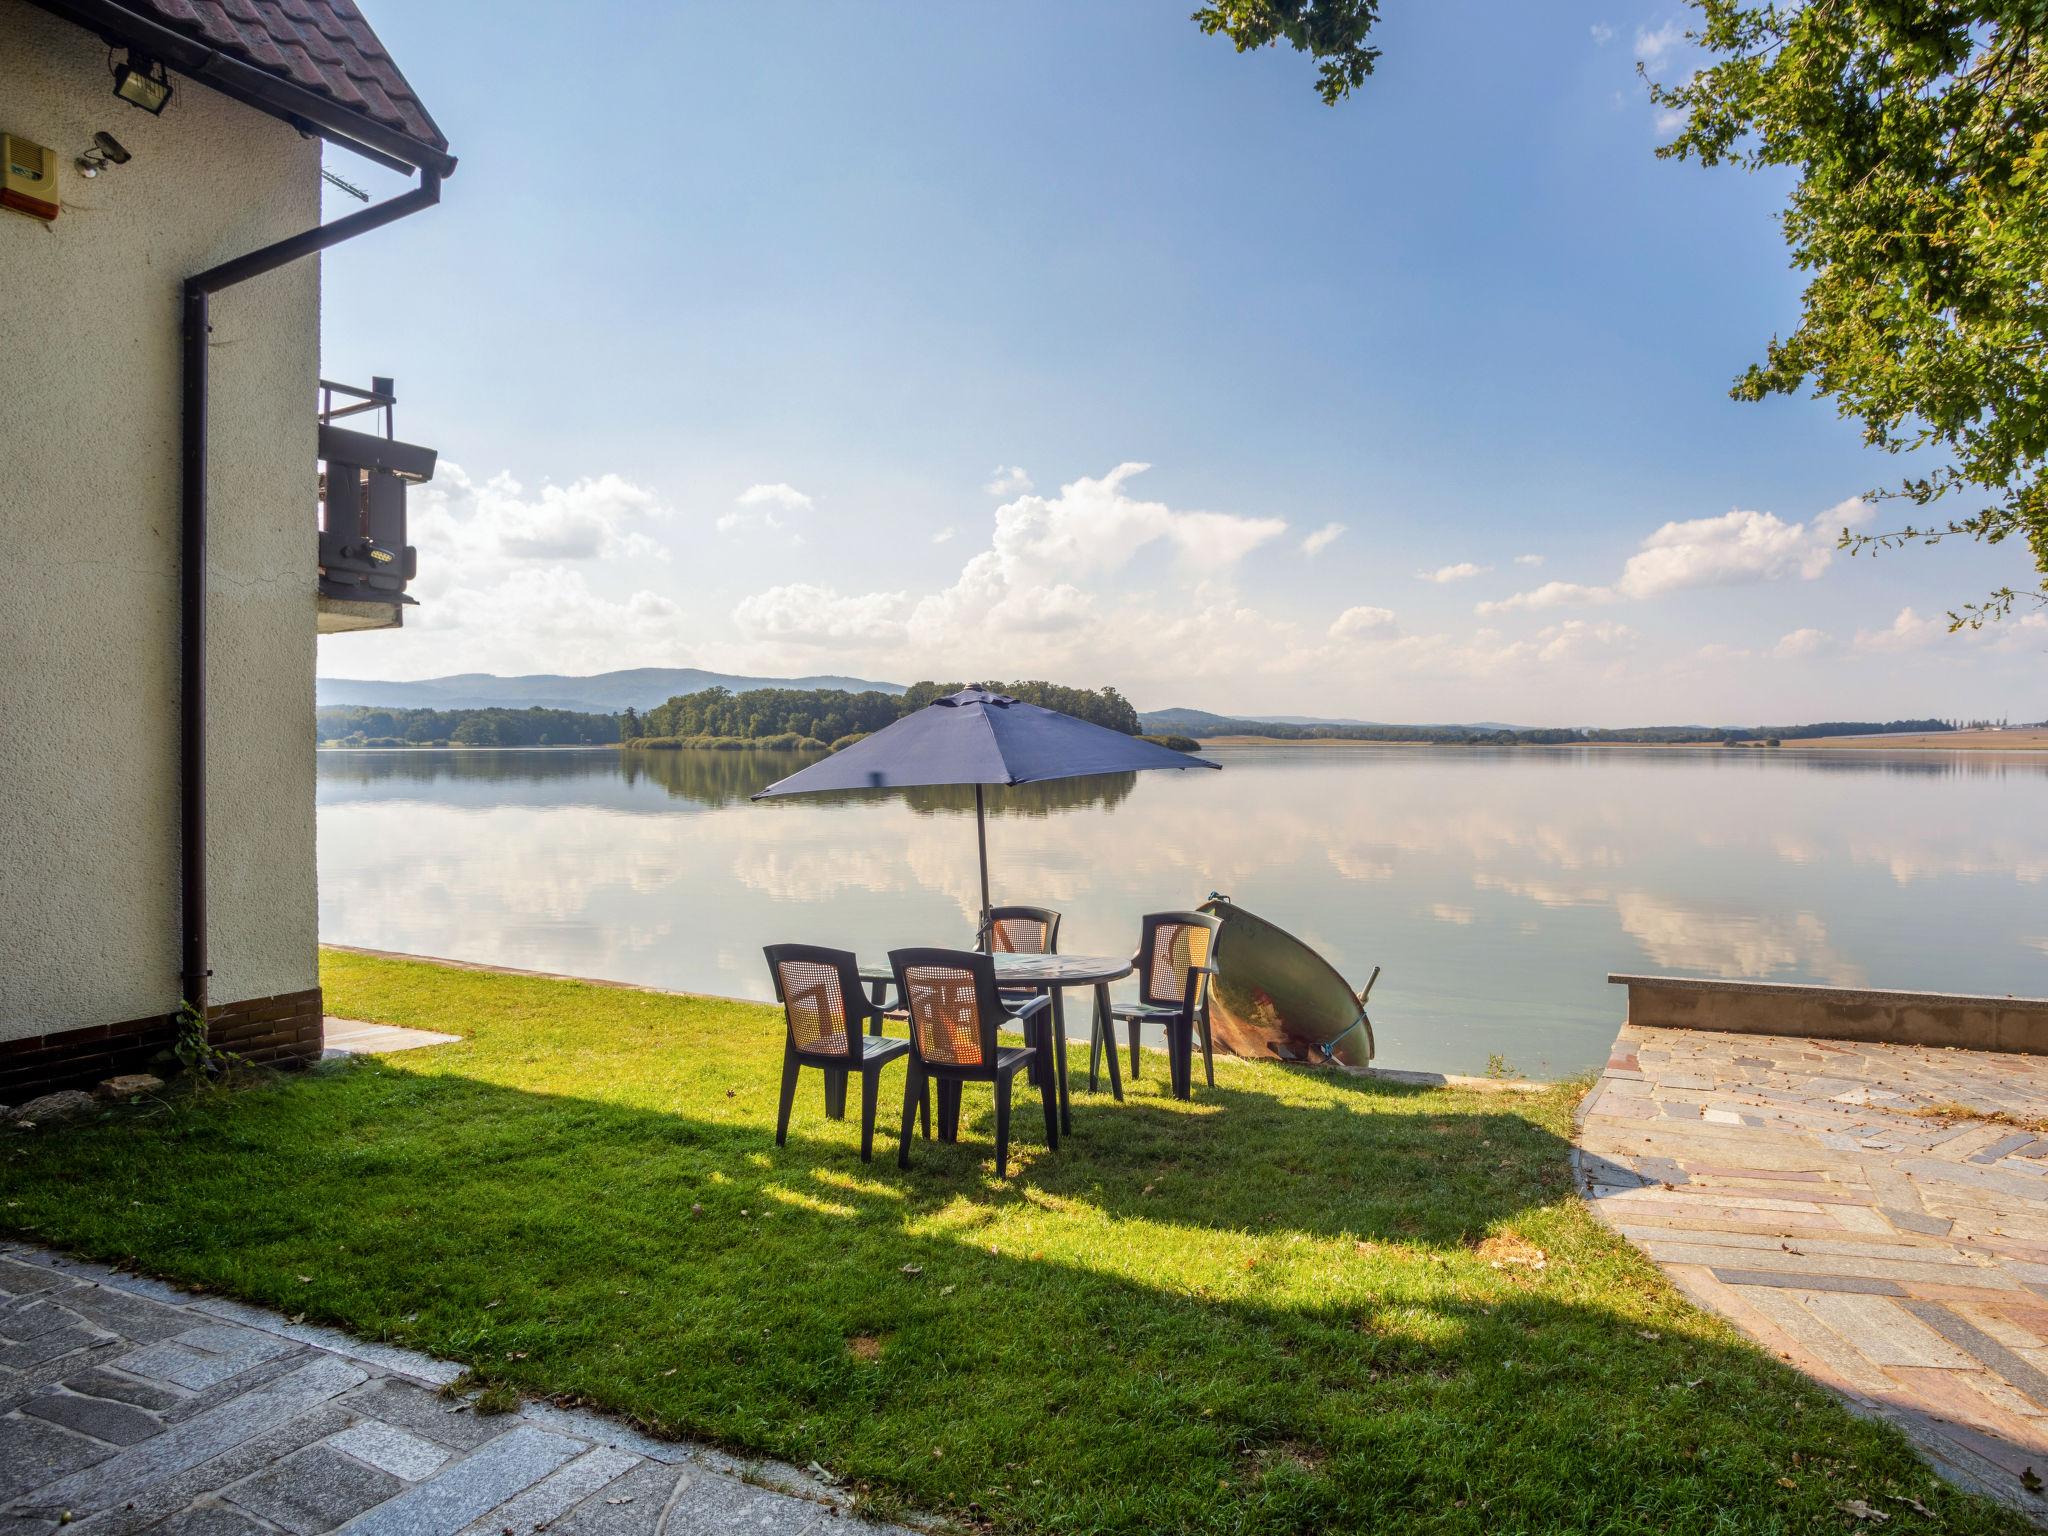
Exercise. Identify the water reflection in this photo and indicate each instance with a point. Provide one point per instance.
(1496, 888)
(705, 780)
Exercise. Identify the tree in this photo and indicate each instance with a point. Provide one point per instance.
(1919, 131)
(1332, 31)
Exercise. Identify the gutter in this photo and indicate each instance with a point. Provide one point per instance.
(192, 584)
(256, 87)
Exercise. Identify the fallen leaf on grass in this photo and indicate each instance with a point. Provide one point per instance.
(1912, 1503)
(913, 1270)
(1788, 1482)
(671, 1370)
(1859, 1510)
(947, 1290)
(303, 1280)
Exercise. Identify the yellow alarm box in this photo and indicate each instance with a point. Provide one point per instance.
(28, 178)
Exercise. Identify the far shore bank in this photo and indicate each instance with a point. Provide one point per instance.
(2029, 740)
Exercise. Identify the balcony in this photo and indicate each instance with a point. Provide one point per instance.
(365, 561)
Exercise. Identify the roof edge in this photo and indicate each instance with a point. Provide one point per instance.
(254, 86)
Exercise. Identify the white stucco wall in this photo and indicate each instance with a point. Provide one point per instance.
(89, 412)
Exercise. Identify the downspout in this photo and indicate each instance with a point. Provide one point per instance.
(192, 584)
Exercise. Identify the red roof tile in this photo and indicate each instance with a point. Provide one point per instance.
(323, 45)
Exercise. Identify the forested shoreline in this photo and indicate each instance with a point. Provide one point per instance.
(825, 719)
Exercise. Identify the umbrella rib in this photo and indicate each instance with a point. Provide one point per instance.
(995, 741)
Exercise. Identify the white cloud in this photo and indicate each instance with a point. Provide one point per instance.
(1007, 481)
(766, 505)
(1653, 46)
(1552, 594)
(1670, 120)
(1322, 538)
(1357, 623)
(1728, 550)
(1801, 643)
(1603, 34)
(1210, 539)
(944, 535)
(485, 523)
(1908, 632)
(787, 497)
(1528, 559)
(1049, 584)
(802, 612)
(1465, 570)
(1734, 549)
(532, 618)
(1574, 636)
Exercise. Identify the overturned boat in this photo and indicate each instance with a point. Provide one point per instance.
(1274, 998)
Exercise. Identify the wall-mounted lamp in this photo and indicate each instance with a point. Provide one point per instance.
(106, 150)
(141, 82)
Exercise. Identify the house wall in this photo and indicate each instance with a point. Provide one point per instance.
(89, 522)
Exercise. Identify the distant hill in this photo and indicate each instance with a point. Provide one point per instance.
(605, 693)
(1198, 720)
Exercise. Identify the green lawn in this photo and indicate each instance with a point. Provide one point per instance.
(1293, 1305)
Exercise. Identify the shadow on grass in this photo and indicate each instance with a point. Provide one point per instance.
(1251, 1314)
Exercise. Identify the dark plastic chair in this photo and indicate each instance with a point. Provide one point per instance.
(1023, 931)
(955, 1012)
(1027, 931)
(825, 1006)
(1173, 993)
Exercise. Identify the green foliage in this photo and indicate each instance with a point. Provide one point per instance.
(1101, 706)
(811, 717)
(1331, 31)
(193, 1046)
(763, 714)
(364, 726)
(1263, 1313)
(1174, 743)
(1919, 132)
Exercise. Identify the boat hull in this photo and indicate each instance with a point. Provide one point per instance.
(1275, 998)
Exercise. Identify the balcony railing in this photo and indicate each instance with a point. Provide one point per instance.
(365, 561)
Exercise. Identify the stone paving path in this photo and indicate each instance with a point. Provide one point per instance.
(126, 1406)
(1900, 1258)
(353, 1037)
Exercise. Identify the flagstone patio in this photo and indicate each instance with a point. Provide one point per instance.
(1830, 1200)
(127, 1406)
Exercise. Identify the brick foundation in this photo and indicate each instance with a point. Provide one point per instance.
(281, 1031)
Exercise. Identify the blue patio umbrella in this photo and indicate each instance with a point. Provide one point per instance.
(980, 738)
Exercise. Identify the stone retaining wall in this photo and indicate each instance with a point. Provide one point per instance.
(1839, 1013)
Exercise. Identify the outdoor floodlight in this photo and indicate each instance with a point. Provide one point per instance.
(141, 82)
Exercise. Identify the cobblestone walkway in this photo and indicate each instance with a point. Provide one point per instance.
(1900, 1258)
(126, 1406)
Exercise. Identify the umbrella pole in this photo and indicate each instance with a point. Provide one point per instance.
(981, 841)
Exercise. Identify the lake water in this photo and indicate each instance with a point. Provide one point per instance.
(1497, 888)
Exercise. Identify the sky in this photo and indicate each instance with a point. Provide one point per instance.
(1044, 338)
